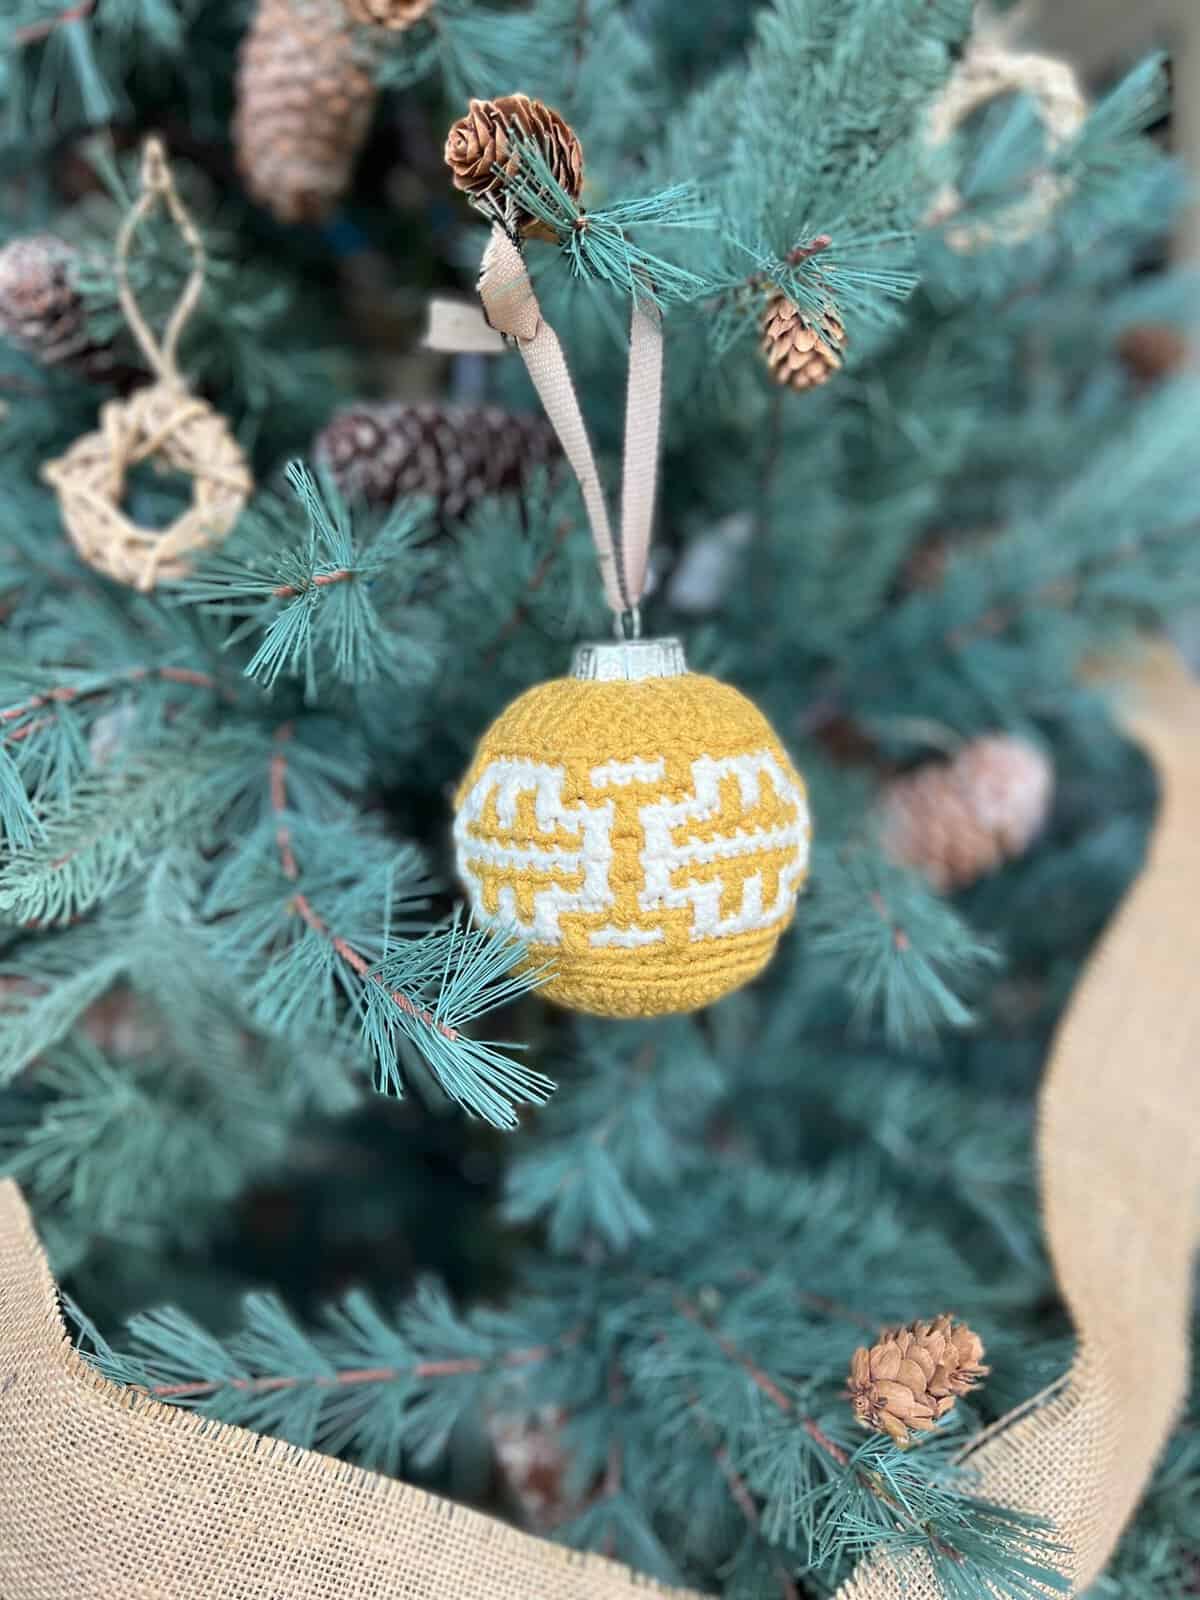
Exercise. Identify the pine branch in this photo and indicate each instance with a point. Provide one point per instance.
(67, 694)
(421, 1371)
(471, 972)
(36, 31)
(904, 952)
(303, 908)
(337, 585)
(91, 847)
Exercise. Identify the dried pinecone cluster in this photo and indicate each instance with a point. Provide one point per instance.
(380, 453)
(43, 314)
(957, 821)
(799, 355)
(911, 1377)
(483, 156)
(305, 95)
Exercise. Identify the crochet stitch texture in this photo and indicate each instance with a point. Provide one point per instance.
(648, 839)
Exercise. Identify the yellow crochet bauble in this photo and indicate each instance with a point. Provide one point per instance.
(640, 826)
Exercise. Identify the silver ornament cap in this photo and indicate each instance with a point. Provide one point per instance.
(629, 660)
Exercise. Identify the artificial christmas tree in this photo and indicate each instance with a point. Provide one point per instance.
(309, 1151)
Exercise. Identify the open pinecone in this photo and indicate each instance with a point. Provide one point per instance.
(481, 155)
(957, 821)
(799, 355)
(381, 452)
(43, 314)
(911, 1377)
(394, 14)
(305, 96)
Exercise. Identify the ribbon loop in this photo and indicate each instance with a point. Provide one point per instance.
(511, 309)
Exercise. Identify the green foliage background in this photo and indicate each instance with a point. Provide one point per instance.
(631, 1225)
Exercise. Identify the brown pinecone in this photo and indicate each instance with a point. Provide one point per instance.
(43, 314)
(911, 1377)
(532, 1455)
(1152, 351)
(394, 14)
(956, 821)
(481, 157)
(799, 355)
(305, 94)
(381, 453)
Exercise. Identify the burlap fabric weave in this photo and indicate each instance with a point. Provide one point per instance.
(108, 1495)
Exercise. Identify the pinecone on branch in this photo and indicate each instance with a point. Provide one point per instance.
(483, 157)
(396, 15)
(798, 354)
(533, 1459)
(305, 94)
(1153, 351)
(44, 315)
(911, 1377)
(957, 821)
(456, 455)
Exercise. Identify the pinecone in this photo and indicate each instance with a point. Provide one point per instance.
(533, 1459)
(911, 1377)
(799, 355)
(1152, 351)
(481, 157)
(380, 453)
(957, 821)
(394, 14)
(43, 314)
(305, 94)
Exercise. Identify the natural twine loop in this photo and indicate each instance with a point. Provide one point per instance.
(163, 422)
(989, 69)
(158, 188)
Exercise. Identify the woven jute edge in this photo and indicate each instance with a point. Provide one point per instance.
(400, 1504)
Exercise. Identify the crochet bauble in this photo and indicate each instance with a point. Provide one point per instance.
(640, 826)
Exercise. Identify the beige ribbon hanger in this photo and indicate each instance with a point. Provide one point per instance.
(511, 313)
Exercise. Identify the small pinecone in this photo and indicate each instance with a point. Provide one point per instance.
(1152, 351)
(926, 566)
(957, 821)
(798, 354)
(43, 314)
(305, 94)
(381, 453)
(911, 1377)
(533, 1460)
(481, 157)
(394, 14)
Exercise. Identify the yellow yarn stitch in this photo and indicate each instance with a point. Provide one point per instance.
(568, 728)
